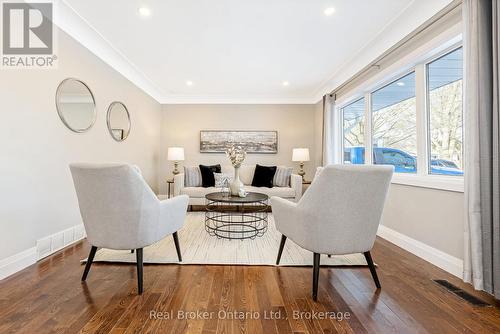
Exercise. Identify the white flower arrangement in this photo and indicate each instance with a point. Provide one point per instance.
(236, 155)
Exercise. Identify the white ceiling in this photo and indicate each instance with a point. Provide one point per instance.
(239, 51)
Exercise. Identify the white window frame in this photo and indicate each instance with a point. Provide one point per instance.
(340, 158)
(423, 177)
(427, 104)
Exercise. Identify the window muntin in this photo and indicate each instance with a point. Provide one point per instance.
(394, 125)
(444, 95)
(353, 125)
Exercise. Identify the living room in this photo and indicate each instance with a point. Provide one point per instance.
(266, 166)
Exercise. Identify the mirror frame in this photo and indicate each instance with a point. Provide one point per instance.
(60, 112)
(108, 120)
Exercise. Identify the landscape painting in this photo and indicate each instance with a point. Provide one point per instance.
(212, 141)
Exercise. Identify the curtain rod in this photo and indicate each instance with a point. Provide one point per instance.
(436, 17)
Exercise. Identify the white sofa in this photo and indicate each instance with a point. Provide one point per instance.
(197, 194)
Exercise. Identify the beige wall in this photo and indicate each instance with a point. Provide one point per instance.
(434, 217)
(181, 125)
(36, 189)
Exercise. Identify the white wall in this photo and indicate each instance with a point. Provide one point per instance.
(36, 190)
(181, 125)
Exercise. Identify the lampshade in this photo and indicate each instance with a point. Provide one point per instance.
(300, 154)
(176, 153)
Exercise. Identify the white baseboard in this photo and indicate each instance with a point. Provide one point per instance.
(44, 247)
(52, 243)
(17, 262)
(57, 241)
(433, 255)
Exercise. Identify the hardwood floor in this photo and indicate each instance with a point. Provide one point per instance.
(49, 297)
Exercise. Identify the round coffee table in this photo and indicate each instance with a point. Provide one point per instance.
(233, 217)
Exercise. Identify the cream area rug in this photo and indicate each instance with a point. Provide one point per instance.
(198, 247)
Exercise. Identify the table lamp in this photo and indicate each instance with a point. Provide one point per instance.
(301, 155)
(176, 154)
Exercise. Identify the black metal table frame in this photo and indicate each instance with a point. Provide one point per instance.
(236, 220)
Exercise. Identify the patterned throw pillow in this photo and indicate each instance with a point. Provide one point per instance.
(282, 176)
(222, 180)
(192, 177)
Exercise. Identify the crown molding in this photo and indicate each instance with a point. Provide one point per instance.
(404, 24)
(209, 99)
(68, 20)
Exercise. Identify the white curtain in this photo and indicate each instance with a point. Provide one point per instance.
(328, 142)
(482, 144)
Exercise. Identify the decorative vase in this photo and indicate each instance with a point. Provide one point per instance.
(236, 184)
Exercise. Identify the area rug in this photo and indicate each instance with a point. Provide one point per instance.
(198, 247)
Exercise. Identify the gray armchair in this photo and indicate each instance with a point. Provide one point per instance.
(339, 214)
(120, 211)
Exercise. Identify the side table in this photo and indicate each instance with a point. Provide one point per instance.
(170, 185)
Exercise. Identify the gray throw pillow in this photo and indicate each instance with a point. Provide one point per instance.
(192, 177)
(282, 176)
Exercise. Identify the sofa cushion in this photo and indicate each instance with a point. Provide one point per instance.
(200, 192)
(192, 176)
(284, 192)
(282, 176)
(227, 169)
(207, 175)
(246, 174)
(263, 176)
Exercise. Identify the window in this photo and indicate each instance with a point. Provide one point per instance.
(353, 119)
(413, 123)
(394, 125)
(444, 85)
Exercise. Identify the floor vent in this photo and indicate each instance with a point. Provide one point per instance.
(461, 293)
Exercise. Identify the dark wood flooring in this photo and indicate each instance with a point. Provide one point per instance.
(48, 297)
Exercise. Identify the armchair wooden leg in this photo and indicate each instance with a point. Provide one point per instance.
(316, 276)
(369, 260)
(89, 262)
(282, 245)
(177, 246)
(140, 266)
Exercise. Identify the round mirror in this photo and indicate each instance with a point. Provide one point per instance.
(75, 105)
(118, 121)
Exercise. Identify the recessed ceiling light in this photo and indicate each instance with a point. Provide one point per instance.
(329, 11)
(285, 83)
(144, 11)
(189, 83)
(400, 83)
